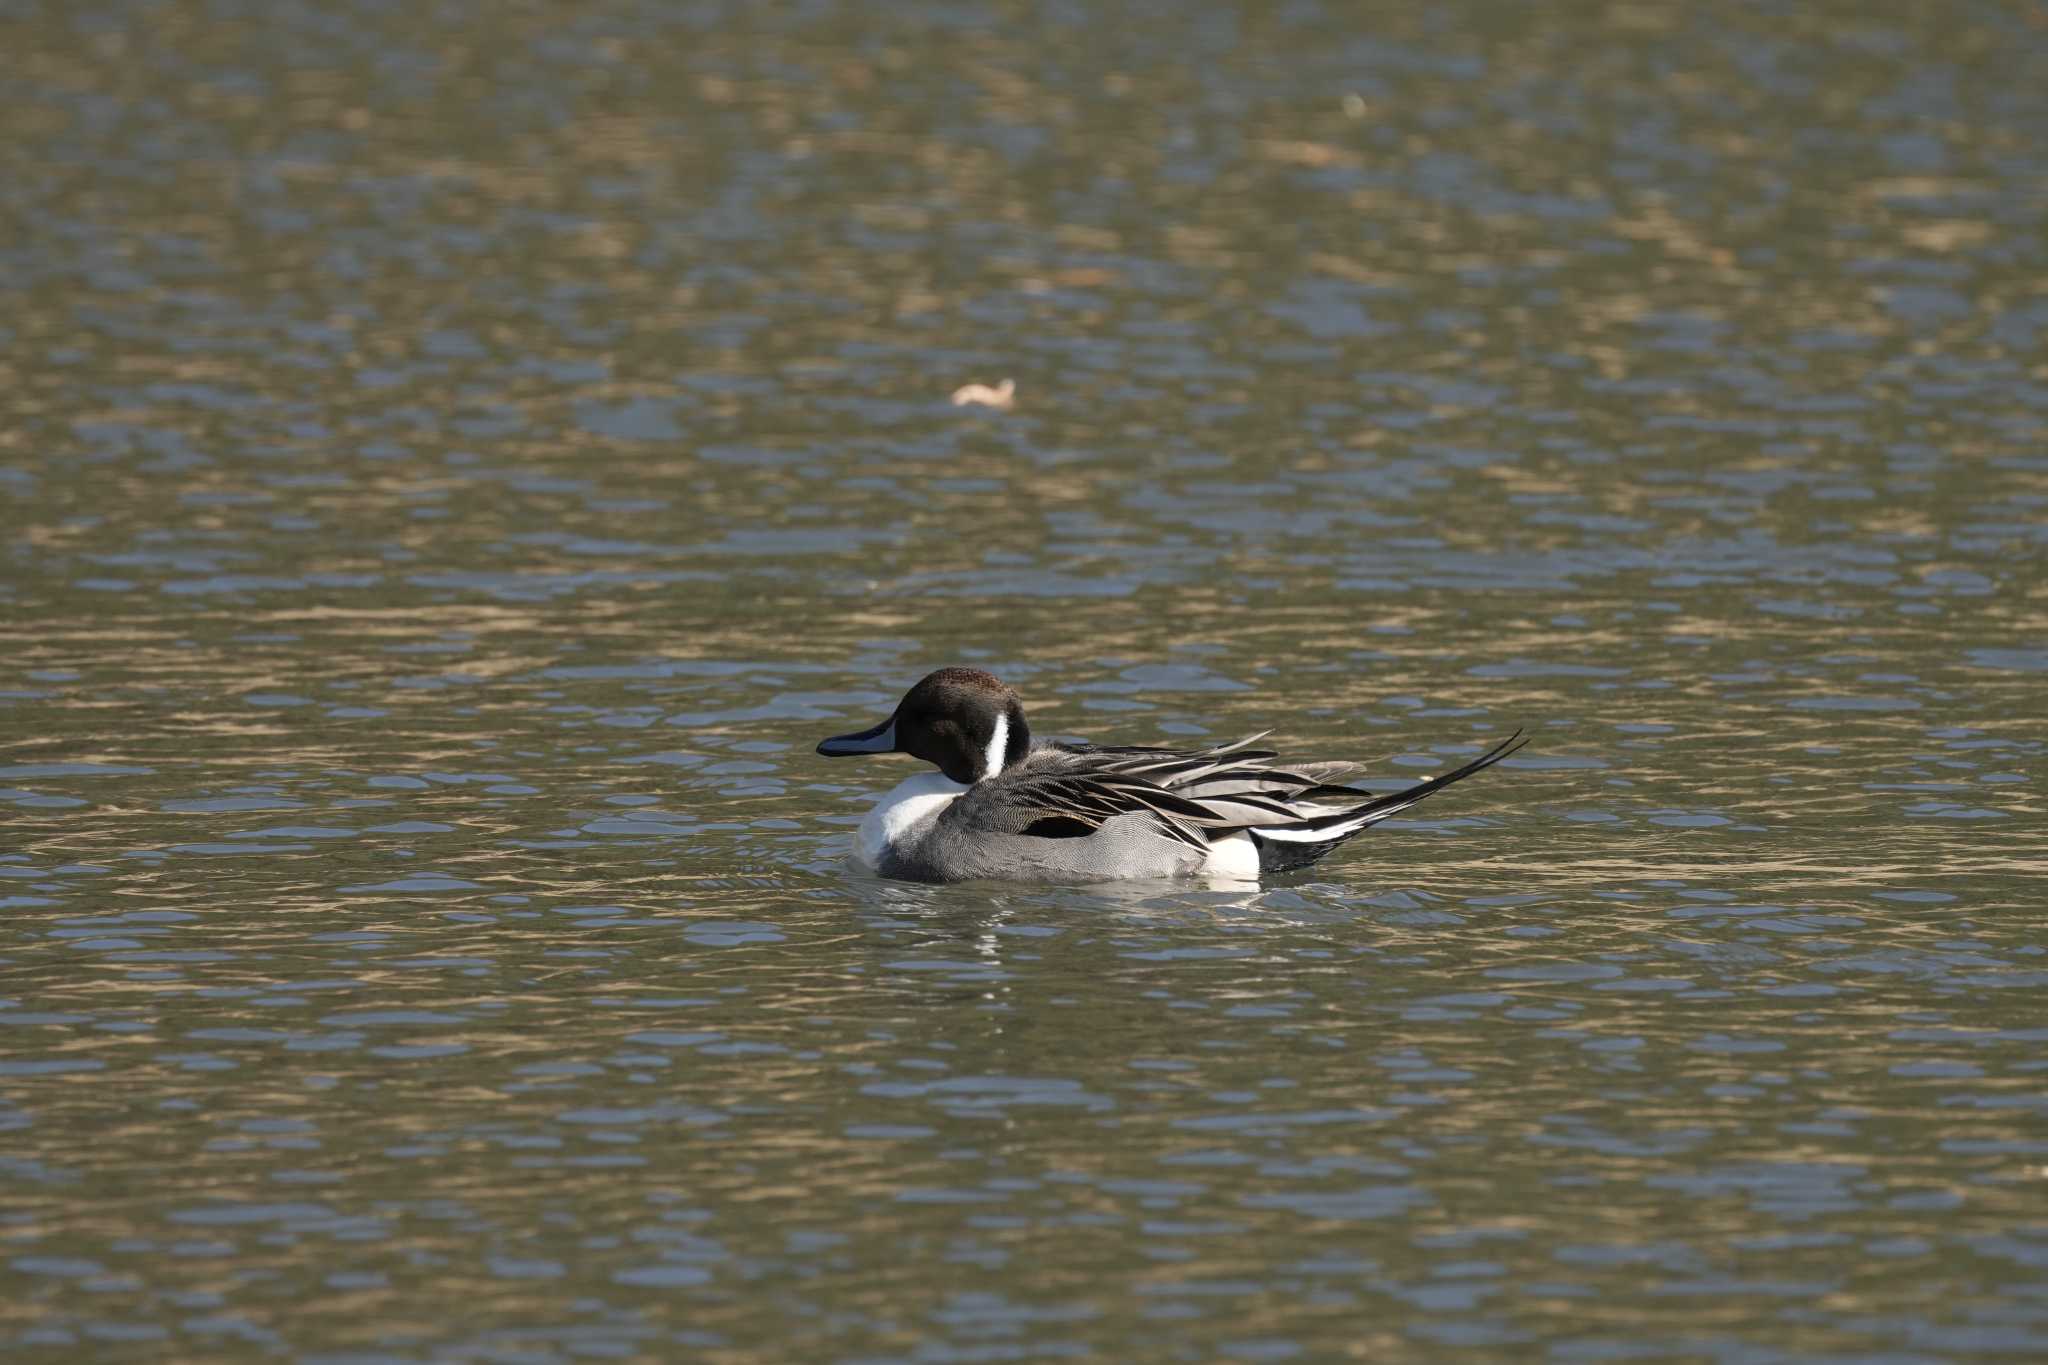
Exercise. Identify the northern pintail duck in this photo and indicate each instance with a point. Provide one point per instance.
(1003, 807)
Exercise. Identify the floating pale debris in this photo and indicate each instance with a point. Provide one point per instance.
(1003, 396)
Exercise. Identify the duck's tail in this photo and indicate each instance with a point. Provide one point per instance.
(1297, 843)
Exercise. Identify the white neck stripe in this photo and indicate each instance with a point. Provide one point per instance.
(998, 746)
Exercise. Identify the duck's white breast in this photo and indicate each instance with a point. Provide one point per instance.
(910, 804)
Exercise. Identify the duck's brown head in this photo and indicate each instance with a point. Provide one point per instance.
(967, 722)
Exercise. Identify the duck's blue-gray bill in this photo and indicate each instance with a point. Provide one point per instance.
(880, 740)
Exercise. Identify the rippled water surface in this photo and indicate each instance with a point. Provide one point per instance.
(456, 460)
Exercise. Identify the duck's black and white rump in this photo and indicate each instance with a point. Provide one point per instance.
(1003, 808)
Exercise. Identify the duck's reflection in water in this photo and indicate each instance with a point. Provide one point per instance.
(983, 917)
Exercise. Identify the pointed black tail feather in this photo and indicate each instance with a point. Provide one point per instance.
(1383, 806)
(1306, 841)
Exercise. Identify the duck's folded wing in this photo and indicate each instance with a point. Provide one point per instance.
(1070, 805)
(1194, 798)
(1212, 776)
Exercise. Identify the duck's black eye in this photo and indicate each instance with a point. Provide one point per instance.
(1058, 827)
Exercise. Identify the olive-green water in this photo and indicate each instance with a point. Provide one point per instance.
(457, 459)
